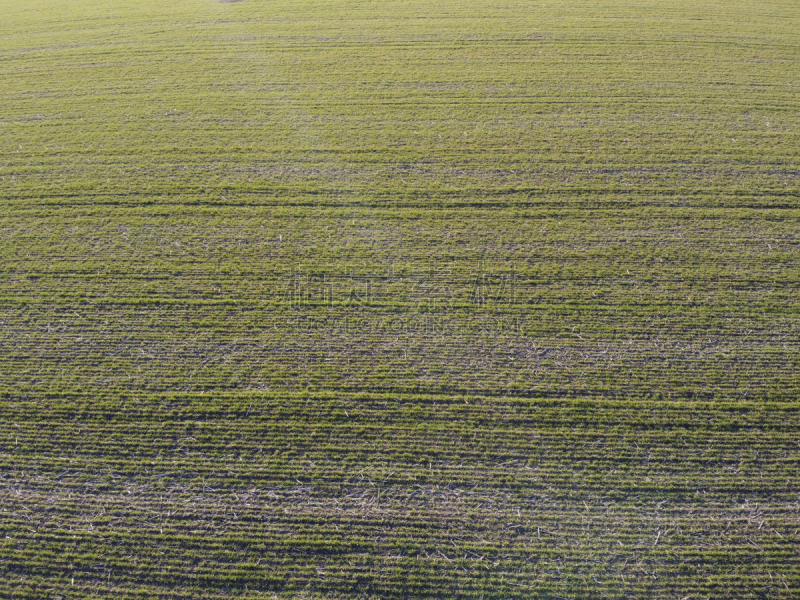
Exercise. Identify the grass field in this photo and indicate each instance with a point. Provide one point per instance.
(400, 299)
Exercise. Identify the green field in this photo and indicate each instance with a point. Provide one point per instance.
(356, 299)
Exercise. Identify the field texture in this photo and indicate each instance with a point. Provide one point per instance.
(400, 299)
